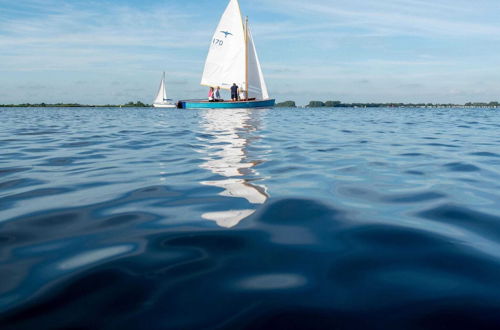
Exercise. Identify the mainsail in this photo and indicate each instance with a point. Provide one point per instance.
(161, 97)
(225, 63)
(232, 57)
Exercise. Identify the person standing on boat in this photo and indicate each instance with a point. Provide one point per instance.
(211, 94)
(234, 92)
(217, 95)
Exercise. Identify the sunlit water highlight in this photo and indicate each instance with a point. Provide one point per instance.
(306, 218)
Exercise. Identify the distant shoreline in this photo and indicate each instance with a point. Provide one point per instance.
(285, 104)
(137, 104)
(338, 104)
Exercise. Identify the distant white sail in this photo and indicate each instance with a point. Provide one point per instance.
(225, 63)
(161, 97)
(161, 100)
(256, 84)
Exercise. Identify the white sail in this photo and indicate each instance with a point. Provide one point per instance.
(161, 97)
(256, 84)
(225, 63)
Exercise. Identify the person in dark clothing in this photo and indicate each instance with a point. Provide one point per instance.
(234, 92)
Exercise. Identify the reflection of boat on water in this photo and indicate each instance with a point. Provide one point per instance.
(232, 58)
(227, 157)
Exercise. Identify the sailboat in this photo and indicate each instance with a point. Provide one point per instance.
(232, 59)
(161, 100)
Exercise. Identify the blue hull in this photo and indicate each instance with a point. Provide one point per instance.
(198, 104)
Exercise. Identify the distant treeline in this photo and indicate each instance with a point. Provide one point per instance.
(339, 104)
(286, 104)
(137, 104)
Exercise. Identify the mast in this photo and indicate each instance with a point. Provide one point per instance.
(164, 91)
(246, 57)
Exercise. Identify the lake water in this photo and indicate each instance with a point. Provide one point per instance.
(285, 218)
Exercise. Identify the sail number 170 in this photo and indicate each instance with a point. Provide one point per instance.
(218, 42)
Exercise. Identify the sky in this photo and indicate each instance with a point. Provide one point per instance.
(114, 51)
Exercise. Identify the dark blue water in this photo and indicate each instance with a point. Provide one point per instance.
(283, 219)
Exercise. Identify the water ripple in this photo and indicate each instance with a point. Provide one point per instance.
(290, 218)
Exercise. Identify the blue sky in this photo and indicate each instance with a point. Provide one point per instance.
(114, 51)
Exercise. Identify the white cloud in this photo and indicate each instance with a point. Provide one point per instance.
(80, 38)
(396, 17)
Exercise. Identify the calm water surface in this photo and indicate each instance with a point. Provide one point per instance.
(174, 219)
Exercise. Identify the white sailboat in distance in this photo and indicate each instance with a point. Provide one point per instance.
(161, 100)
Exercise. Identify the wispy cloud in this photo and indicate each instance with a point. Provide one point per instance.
(397, 17)
(70, 36)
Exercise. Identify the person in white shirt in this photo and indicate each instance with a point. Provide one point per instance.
(217, 97)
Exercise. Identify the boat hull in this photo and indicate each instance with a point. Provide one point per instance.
(169, 105)
(202, 104)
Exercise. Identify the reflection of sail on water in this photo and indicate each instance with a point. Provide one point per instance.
(227, 157)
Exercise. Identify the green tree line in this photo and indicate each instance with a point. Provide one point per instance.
(339, 104)
(131, 104)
